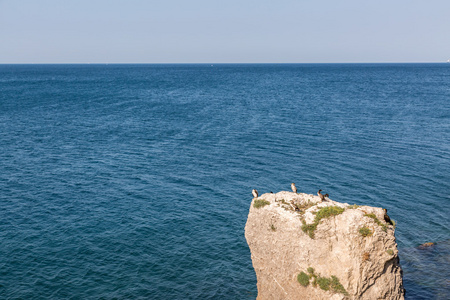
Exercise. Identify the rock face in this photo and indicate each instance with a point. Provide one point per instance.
(351, 253)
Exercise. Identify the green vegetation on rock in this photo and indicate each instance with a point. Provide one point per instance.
(336, 286)
(324, 283)
(260, 203)
(324, 212)
(365, 231)
(309, 228)
(328, 211)
(354, 206)
(303, 279)
(372, 216)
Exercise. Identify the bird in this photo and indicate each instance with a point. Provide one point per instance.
(322, 197)
(255, 193)
(386, 217)
(326, 195)
(294, 188)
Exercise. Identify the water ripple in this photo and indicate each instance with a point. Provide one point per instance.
(133, 181)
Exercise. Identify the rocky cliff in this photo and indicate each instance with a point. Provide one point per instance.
(305, 248)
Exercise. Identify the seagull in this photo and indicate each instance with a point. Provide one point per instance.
(322, 197)
(294, 188)
(255, 193)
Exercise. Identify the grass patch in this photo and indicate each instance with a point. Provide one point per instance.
(327, 212)
(354, 206)
(390, 251)
(303, 279)
(324, 283)
(364, 231)
(372, 216)
(324, 212)
(309, 228)
(260, 203)
(336, 286)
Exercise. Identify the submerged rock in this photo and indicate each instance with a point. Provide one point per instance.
(303, 248)
(426, 245)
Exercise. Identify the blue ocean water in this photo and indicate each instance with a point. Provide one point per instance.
(134, 181)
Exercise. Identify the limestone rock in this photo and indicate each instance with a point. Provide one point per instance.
(367, 267)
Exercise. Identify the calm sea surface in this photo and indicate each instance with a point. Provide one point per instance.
(134, 181)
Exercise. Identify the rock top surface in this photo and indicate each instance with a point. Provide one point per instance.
(351, 254)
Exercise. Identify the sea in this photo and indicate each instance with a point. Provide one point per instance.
(133, 181)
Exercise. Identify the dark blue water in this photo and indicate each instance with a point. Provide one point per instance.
(134, 181)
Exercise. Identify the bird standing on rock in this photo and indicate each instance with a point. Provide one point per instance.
(255, 193)
(386, 217)
(294, 188)
(322, 197)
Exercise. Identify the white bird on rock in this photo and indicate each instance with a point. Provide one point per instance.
(255, 193)
(294, 188)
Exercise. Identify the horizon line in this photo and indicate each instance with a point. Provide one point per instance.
(209, 63)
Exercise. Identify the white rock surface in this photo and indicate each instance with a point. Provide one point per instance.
(280, 252)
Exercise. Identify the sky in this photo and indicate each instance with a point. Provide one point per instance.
(225, 31)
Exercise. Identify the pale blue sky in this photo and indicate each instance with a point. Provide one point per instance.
(212, 31)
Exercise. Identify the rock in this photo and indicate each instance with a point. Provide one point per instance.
(426, 246)
(353, 252)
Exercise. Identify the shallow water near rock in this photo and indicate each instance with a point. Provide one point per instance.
(134, 181)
